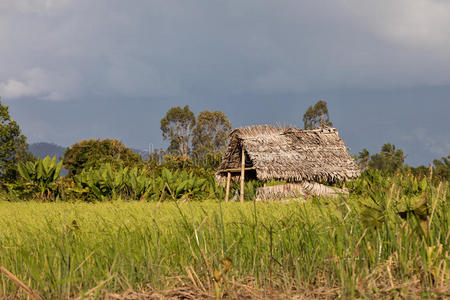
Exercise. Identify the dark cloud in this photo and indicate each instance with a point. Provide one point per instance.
(78, 69)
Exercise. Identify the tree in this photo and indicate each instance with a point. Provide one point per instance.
(13, 146)
(420, 171)
(210, 134)
(442, 168)
(94, 153)
(389, 159)
(317, 116)
(177, 126)
(363, 158)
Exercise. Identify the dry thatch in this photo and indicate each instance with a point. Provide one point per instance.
(289, 154)
(295, 190)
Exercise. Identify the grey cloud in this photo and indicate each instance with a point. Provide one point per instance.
(167, 46)
(258, 60)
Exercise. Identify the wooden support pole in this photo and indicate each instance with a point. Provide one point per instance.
(227, 190)
(236, 170)
(242, 174)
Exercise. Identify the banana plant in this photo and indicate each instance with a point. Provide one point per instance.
(138, 183)
(41, 174)
(184, 184)
(103, 182)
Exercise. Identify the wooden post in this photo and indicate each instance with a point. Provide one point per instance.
(242, 174)
(227, 191)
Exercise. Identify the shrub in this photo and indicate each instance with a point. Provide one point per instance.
(40, 177)
(94, 153)
(107, 183)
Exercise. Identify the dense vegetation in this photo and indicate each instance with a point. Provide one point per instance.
(13, 146)
(94, 153)
(119, 221)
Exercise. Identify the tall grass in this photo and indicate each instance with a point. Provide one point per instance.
(69, 249)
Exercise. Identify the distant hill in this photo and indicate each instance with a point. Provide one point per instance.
(43, 149)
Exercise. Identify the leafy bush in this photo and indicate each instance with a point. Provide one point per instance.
(107, 183)
(383, 195)
(184, 184)
(40, 176)
(176, 162)
(95, 153)
(99, 183)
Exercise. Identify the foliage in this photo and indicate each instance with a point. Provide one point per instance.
(13, 146)
(155, 157)
(177, 126)
(108, 183)
(249, 188)
(183, 184)
(383, 194)
(94, 153)
(210, 161)
(420, 171)
(99, 183)
(363, 158)
(210, 135)
(442, 168)
(40, 176)
(388, 160)
(176, 162)
(317, 116)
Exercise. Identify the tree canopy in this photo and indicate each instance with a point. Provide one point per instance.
(389, 159)
(210, 134)
(94, 153)
(363, 158)
(177, 126)
(317, 116)
(442, 168)
(13, 146)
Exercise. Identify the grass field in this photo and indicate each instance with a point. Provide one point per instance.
(319, 248)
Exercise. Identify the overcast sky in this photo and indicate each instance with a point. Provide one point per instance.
(78, 69)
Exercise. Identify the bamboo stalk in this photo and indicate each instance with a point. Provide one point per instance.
(242, 174)
(227, 191)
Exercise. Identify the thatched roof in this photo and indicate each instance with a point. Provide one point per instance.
(288, 154)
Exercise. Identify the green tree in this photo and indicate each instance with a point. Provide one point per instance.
(177, 126)
(389, 159)
(94, 153)
(210, 134)
(442, 168)
(13, 146)
(363, 158)
(317, 116)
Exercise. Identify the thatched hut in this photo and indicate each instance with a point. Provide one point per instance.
(265, 152)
